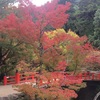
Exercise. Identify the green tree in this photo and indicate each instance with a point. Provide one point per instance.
(95, 38)
(11, 50)
(82, 16)
(31, 26)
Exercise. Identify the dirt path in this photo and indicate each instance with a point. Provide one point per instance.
(6, 90)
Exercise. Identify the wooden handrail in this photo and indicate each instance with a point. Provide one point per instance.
(19, 78)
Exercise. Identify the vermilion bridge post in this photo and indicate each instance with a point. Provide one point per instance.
(5, 80)
(17, 77)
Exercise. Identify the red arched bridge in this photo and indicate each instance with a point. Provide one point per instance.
(19, 78)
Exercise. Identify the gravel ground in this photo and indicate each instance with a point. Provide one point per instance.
(7, 90)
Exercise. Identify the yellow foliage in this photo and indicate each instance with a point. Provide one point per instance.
(60, 30)
(52, 34)
(63, 48)
(72, 33)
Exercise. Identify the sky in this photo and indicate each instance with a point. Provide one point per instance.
(40, 2)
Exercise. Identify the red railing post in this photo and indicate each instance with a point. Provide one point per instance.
(17, 77)
(79, 75)
(99, 76)
(93, 77)
(33, 78)
(5, 79)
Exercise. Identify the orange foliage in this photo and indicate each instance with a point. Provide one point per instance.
(52, 86)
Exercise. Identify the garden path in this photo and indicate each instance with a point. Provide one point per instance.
(7, 90)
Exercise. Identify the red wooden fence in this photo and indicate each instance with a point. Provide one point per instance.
(89, 76)
(19, 78)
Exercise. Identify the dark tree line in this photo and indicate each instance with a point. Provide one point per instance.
(85, 19)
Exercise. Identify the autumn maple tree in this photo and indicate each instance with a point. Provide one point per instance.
(77, 52)
(93, 60)
(12, 50)
(31, 26)
(72, 50)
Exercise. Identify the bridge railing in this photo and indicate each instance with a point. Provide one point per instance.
(18, 78)
(89, 76)
(9, 80)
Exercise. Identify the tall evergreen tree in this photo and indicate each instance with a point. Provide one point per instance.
(95, 38)
(82, 14)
